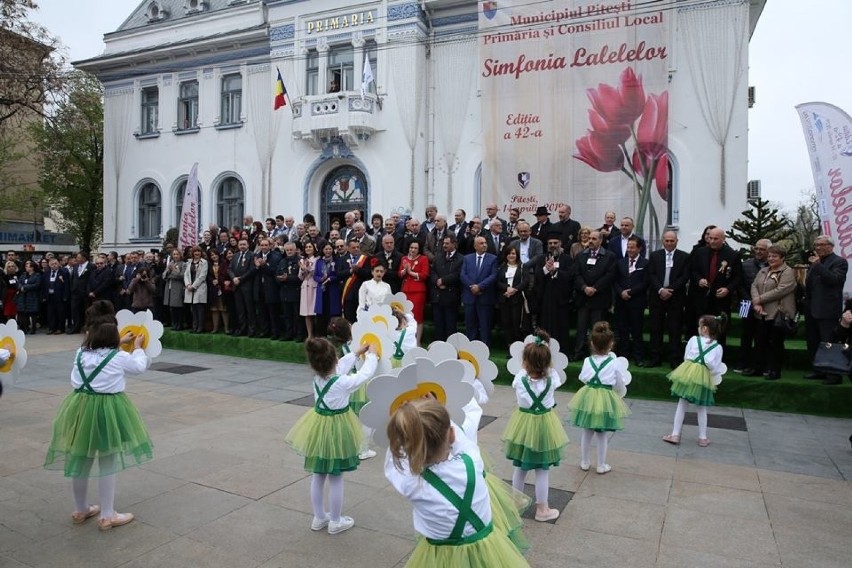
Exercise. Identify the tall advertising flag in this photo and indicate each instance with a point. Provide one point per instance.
(828, 134)
(575, 107)
(188, 228)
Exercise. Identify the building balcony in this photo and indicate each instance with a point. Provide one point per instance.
(320, 118)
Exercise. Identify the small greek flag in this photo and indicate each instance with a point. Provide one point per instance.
(745, 307)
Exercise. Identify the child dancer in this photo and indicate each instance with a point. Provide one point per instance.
(328, 435)
(440, 472)
(598, 407)
(407, 338)
(534, 437)
(340, 332)
(98, 420)
(695, 380)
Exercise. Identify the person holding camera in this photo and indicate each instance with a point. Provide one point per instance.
(823, 299)
(141, 289)
(773, 296)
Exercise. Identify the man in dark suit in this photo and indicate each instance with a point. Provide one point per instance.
(594, 276)
(128, 272)
(495, 239)
(569, 227)
(529, 249)
(101, 282)
(290, 289)
(824, 298)
(412, 234)
(667, 279)
(459, 227)
(553, 290)
(631, 297)
(479, 291)
(445, 285)
(618, 243)
(266, 295)
(464, 244)
(435, 238)
(79, 293)
(355, 268)
(56, 290)
(390, 258)
(542, 226)
(241, 273)
(717, 272)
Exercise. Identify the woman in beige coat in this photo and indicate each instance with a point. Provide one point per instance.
(773, 294)
(195, 280)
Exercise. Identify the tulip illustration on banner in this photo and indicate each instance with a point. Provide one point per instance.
(623, 115)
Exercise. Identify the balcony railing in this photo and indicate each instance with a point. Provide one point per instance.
(319, 118)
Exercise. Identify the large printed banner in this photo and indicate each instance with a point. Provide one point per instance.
(575, 107)
(828, 134)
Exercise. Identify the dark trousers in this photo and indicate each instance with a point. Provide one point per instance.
(511, 320)
(350, 309)
(290, 318)
(818, 330)
(666, 316)
(78, 312)
(477, 321)
(445, 321)
(55, 313)
(272, 318)
(177, 318)
(245, 309)
(586, 318)
(748, 341)
(711, 305)
(230, 305)
(769, 346)
(628, 329)
(199, 317)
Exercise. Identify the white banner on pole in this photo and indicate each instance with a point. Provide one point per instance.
(188, 227)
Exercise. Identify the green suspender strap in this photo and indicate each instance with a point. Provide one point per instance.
(347, 351)
(537, 406)
(462, 505)
(320, 406)
(595, 382)
(703, 352)
(398, 354)
(87, 380)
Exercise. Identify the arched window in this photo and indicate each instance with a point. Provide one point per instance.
(230, 202)
(150, 215)
(179, 191)
(344, 189)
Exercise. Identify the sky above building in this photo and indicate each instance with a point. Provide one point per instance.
(796, 56)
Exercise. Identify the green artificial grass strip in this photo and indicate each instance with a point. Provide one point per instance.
(790, 394)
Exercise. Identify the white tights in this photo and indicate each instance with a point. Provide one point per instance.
(106, 487)
(680, 414)
(335, 495)
(542, 483)
(586, 441)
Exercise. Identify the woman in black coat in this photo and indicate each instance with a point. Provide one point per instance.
(512, 284)
(28, 299)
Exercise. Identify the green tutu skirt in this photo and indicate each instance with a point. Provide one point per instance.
(598, 409)
(103, 426)
(693, 382)
(492, 551)
(507, 506)
(534, 441)
(330, 444)
(358, 399)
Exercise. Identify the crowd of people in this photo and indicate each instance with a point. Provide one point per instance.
(285, 281)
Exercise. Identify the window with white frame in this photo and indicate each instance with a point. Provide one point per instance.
(230, 202)
(312, 73)
(341, 66)
(179, 192)
(150, 218)
(188, 105)
(232, 97)
(150, 109)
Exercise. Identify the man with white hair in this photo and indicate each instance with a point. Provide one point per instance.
(717, 273)
(366, 243)
(824, 298)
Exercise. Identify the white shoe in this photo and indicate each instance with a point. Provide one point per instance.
(605, 468)
(585, 466)
(344, 524)
(367, 454)
(318, 524)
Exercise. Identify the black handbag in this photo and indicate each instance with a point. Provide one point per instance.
(833, 359)
(787, 325)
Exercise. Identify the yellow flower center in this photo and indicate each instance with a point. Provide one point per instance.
(372, 339)
(421, 391)
(467, 356)
(136, 330)
(8, 344)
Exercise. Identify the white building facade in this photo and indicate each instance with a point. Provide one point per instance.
(193, 81)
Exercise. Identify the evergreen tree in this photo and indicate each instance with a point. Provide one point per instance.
(762, 221)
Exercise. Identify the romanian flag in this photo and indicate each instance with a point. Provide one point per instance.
(280, 92)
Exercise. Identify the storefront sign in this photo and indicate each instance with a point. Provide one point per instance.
(340, 22)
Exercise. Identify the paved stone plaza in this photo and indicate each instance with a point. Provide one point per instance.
(224, 490)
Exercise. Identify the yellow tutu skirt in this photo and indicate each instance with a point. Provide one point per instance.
(492, 551)
(692, 381)
(358, 399)
(507, 506)
(330, 444)
(534, 441)
(598, 409)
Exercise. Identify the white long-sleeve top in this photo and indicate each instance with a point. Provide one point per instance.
(614, 374)
(537, 386)
(434, 516)
(111, 377)
(4, 355)
(712, 360)
(337, 396)
(371, 293)
(410, 339)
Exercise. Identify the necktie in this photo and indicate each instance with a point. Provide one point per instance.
(667, 277)
(478, 262)
(52, 274)
(714, 267)
(448, 256)
(594, 254)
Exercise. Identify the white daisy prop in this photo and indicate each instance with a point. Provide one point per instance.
(424, 377)
(440, 351)
(144, 324)
(12, 341)
(400, 301)
(379, 313)
(374, 333)
(477, 354)
(559, 360)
